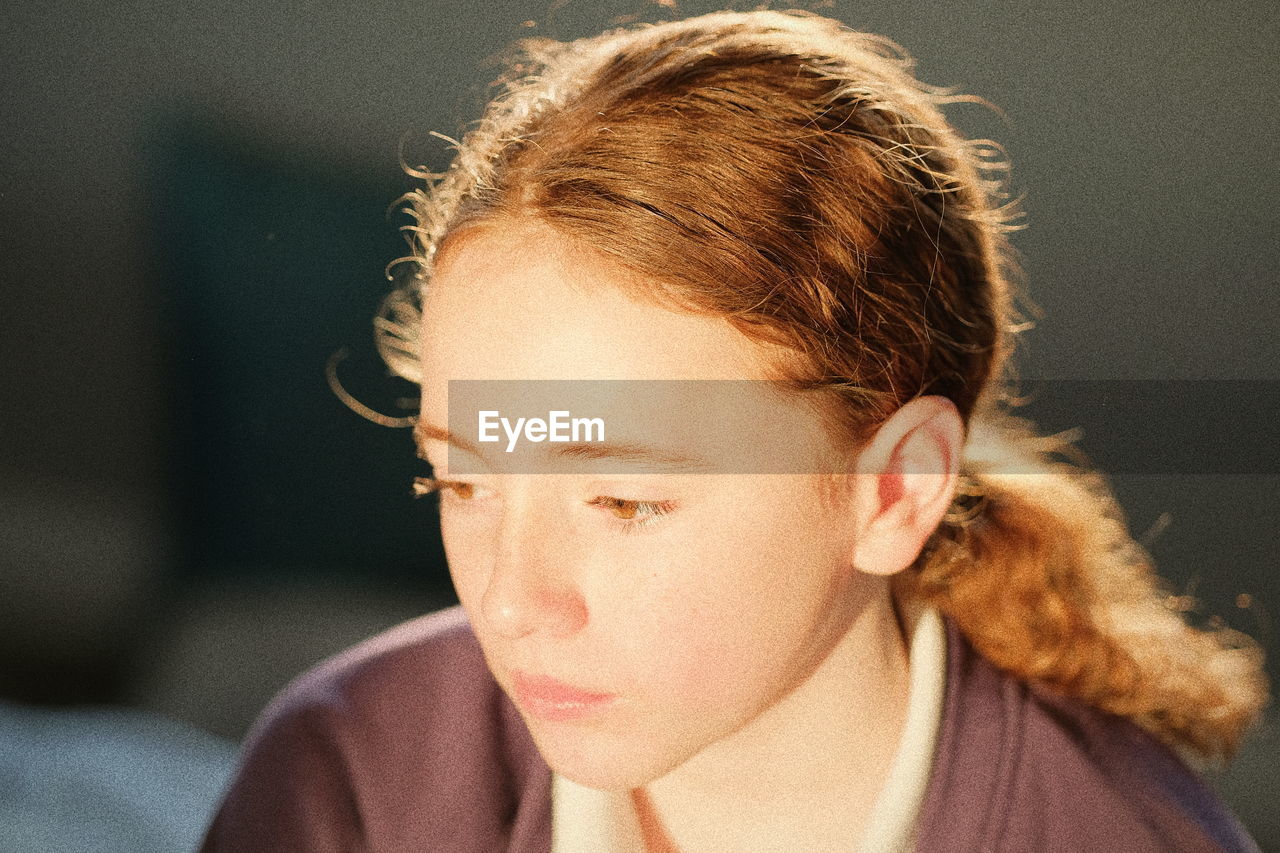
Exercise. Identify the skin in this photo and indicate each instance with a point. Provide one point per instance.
(748, 633)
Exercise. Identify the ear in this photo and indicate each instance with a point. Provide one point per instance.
(907, 478)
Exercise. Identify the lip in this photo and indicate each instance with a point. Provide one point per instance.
(555, 701)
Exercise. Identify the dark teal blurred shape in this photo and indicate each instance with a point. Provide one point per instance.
(272, 263)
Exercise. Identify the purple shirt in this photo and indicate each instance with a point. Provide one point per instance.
(406, 743)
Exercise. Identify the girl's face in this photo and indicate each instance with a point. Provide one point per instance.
(636, 619)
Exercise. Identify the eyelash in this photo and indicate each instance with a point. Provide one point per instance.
(650, 510)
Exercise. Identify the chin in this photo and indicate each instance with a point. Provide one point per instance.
(598, 760)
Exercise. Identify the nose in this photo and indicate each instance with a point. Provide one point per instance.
(532, 587)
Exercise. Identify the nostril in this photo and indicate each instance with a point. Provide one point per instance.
(533, 605)
(572, 615)
(504, 614)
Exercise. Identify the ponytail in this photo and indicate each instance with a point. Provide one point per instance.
(1035, 566)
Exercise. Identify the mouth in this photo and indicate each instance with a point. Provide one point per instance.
(555, 701)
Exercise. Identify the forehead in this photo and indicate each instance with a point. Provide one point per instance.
(517, 300)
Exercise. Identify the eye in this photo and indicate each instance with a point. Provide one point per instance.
(423, 486)
(633, 514)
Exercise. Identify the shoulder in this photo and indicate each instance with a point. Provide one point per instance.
(398, 742)
(433, 661)
(1020, 768)
(399, 693)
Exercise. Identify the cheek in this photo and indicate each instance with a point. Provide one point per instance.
(731, 614)
(698, 629)
(708, 660)
(706, 671)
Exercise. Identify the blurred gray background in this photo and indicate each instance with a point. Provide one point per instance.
(195, 205)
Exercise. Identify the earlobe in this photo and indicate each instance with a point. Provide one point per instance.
(909, 471)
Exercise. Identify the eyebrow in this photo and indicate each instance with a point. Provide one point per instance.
(589, 450)
(424, 432)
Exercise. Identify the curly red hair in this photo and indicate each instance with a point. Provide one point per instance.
(793, 176)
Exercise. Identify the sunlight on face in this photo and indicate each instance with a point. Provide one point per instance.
(636, 619)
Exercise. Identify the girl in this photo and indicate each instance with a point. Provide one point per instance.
(939, 637)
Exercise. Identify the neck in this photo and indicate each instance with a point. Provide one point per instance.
(808, 768)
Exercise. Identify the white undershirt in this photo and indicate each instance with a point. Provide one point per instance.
(587, 820)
